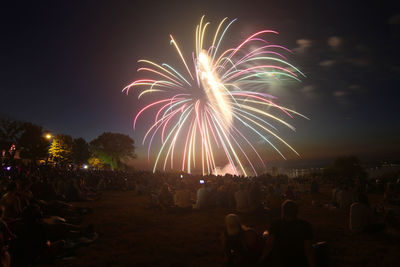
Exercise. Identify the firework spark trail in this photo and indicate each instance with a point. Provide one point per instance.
(215, 103)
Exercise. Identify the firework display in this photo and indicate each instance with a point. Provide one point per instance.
(215, 101)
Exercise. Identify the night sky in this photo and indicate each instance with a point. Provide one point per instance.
(64, 64)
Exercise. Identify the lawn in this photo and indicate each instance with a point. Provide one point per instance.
(131, 234)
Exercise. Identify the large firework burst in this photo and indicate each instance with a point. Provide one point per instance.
(209, 106)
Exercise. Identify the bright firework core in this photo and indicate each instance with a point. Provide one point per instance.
(214, 89)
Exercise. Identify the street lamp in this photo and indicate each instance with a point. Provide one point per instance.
(48, 136)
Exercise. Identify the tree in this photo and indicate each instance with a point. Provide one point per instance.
(112, 148)
(61, 149)
(80, 151)
(97, 163)
(345, 169)
(10, 131)
(32, 143)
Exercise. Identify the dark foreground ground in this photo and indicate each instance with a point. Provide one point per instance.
(131, 234)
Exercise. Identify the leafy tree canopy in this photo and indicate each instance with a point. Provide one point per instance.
(10, 131)
(112, 148)
(61, 149)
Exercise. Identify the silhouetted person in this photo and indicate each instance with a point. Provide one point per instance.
(182, 197)
(360, 214)
(242, 199)
(314, 188)
(273, 203)
(165, 197)
(242, 245)
(203, 197)
(289, 240)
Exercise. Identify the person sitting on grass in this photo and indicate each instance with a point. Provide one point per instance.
(314, 188)
(345, 198)
(182, 197)
(273, 202)
(255, 197)
(165, 197)
(203, 197)
(362, 217)
(278, 190)
(5, 258)
(11, 201)
(242, 245)
(391, 196)
(222, 196)
(289, 194)
(289, 240)
(5, 232)
(242, 199)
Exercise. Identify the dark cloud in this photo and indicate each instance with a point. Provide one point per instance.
(340, 93)
(303, 45)
(360, 62)
(310, 91)
(335, 42)
(327, 63)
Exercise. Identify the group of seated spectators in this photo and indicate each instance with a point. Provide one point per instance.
(37, 222)
(242, 194)
(275, 197)
(363, 217)
(174, 192)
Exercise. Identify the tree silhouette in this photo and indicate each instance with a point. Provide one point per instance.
(80, 151)
(10, 131)
(32, 143)
(346, 169)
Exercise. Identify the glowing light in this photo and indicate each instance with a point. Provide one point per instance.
(214, 88)
(214, 104)
(48, 136)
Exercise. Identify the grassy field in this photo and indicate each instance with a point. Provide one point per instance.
(131, 234)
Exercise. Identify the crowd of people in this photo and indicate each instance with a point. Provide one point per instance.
(289, 240)
(363, 217)
(39, 224)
